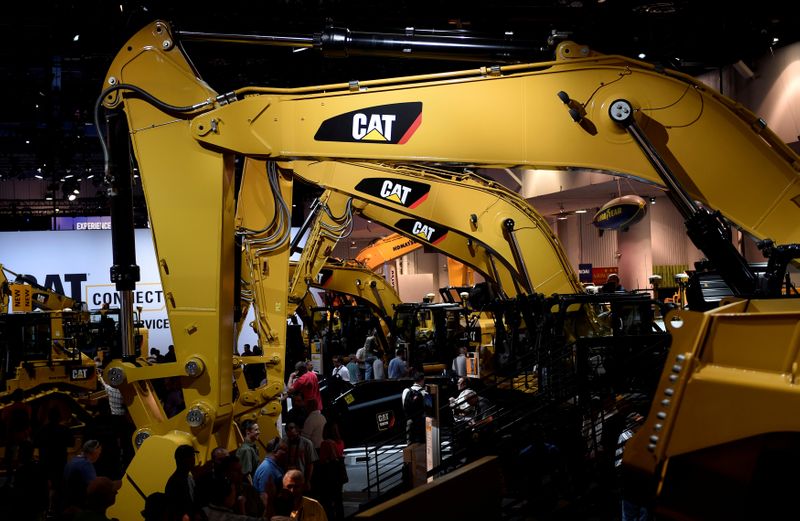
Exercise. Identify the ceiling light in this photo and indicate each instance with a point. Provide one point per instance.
(37, 176)
(581, 211)
(72, 197)
(652, 200)
(562, 215)
(775, 40)
(76, 37)
(642, 56)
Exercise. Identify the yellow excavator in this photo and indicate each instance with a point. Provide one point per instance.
(500, 261)
(347, 286)
(724, 388)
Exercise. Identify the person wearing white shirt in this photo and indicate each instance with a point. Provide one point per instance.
(340, 370)
(378, 372)
(460, 362)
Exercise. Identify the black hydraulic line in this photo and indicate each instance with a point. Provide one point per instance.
(508, 224)
(237, 252)
(413, 43)
(295, 246)
(124, 271)
(704, 229)
(374, 287)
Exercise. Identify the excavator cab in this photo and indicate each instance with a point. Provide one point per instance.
(431, 333)
(342, 329)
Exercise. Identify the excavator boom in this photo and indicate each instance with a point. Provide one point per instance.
(386, 249)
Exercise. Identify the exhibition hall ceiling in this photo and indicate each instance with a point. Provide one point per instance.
(56, 53)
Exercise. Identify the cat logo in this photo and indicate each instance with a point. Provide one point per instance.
(385, 420)
(80, 373)
(389, 124)
(399, 191)
(395, 192)
(421, 230)
(379, 127)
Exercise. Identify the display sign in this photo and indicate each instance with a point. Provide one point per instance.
(21, 297)
(585, 272)
(83, 223)
(600, 275)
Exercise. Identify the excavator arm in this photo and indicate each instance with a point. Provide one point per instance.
(366, 286)
(487, 214)
(361, 283)
(394, 246)
(514, 115)
(386, 249)
(39, 296)
(334, 221)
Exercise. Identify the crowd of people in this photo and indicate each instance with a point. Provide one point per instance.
(297, 476)
(302, 470)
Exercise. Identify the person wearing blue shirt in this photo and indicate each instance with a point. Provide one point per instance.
(397, 365)
(268, 477)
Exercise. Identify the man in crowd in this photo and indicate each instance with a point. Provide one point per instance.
(248, 451)
(298, 506)
(180, 485)
(78, 473)
(397, 366)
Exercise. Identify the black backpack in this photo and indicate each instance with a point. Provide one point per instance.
(414, 403)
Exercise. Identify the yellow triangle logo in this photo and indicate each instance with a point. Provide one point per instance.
(422, 236)
(394, 198)
(374, 135)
